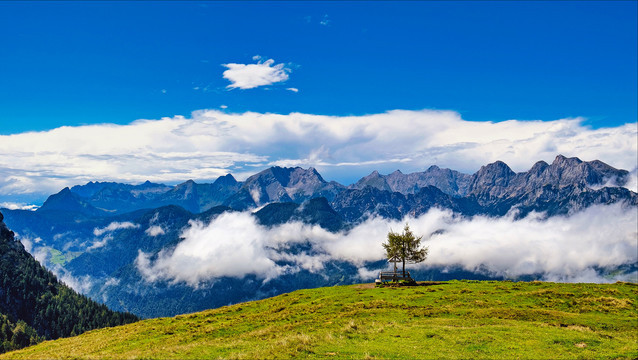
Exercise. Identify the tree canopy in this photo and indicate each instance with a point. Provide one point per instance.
(405, 246)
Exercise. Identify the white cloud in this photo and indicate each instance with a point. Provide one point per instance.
(115, 226)
(108, 230)
(82, 284)
(154, 230)
(344, 148)
(18, 206)
(632, 184)
(230, 246)
(248, 76)
(292, 89)
(111, 282)
(98, 243)
(558, 248)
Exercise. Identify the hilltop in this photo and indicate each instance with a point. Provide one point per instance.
(456, 319)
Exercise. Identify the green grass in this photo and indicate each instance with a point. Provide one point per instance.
(456, 319)
(58, 257)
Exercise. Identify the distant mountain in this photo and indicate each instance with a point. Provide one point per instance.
(278, 184)
(495, 187)
(149, 231)
(357, 205)
(448, 181)
(34, 306)
(497, 180)
(567, 185)
(117, 198)
(314, 211)
(66, 201)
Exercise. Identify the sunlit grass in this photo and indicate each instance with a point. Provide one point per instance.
(58, 257)
(457, 319)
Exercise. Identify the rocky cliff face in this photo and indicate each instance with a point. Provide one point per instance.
(449, 181)
(496, 182)
(566, 185)
(279, 184)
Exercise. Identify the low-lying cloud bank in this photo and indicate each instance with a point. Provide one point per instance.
(18, 206)
(561, 248)
(213, 143)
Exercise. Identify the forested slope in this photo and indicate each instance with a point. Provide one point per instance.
(35, 306)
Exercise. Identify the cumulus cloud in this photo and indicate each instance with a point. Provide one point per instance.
(213, 143)
(231, 246)
(562, 248)
(248, 76)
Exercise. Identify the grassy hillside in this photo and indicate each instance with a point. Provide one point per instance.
(457, 319)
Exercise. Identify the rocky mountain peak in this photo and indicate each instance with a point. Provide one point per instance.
(187, 189)
(495, 174)
(491, 180)
(539, 167)
(281, 184)
(226, 180)
(374, 180)
(302, 177)
(562, 161)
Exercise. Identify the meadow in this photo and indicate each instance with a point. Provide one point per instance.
(455, 319)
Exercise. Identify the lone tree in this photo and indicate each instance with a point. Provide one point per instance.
(406, 247)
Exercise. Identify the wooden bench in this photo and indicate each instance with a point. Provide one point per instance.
(392, 276)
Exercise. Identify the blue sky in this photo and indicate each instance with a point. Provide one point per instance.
(69, 63)
(82, 63)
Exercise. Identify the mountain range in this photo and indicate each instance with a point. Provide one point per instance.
(565, 184)
(99, 234)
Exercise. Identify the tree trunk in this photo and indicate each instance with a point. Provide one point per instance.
(404, 266)
(403, 257)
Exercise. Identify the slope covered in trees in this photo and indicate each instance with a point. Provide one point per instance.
(35, 306)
